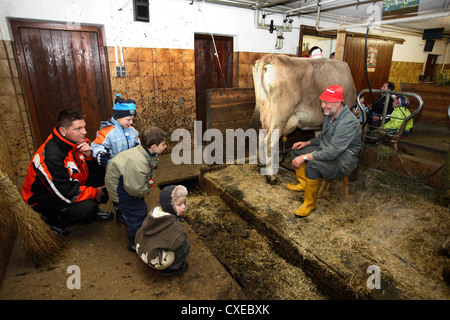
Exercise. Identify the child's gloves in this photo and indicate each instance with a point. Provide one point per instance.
(102, 158)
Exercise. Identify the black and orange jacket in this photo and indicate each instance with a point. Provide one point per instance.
(57, 170)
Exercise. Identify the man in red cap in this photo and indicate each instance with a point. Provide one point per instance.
(332, 154)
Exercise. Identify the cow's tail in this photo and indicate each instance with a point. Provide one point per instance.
(256, 120)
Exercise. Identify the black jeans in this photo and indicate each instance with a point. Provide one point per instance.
(62, 214)
(68, 214)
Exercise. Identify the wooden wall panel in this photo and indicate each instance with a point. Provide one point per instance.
(436, 100)
(402, 71)
(230, 108)
(354, 56)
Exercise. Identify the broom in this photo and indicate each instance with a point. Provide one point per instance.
(40, 242)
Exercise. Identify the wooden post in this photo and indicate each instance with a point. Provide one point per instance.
(340, 45)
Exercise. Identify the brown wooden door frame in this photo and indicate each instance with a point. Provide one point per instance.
(212, 78)
(25, 77)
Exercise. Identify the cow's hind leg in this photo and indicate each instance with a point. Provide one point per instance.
(269, 153)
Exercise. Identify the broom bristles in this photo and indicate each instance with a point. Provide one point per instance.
(40, 242)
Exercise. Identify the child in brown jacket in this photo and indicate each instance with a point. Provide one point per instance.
(162, 241)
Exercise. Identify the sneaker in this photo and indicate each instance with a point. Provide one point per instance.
(131, 245)
(104, 215)
(61, 231)
(180, 270)
(120, 219)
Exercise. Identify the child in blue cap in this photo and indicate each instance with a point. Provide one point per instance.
(116, 135)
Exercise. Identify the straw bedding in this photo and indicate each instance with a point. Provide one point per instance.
(390, 222)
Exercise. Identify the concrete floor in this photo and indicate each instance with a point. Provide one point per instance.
(109, 271)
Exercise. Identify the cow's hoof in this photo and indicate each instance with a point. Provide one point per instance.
(272, 180)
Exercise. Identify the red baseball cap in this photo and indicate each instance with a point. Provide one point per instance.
(334, 93)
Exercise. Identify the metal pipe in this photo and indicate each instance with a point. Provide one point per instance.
(310, 5)
(325, 16)
(279, 43)
(275, 3)
(246, 4)
(258, 24)
(390, 28)
(236, 2)
(286, 27)
(382, 22)
(318, 13)
(395, 93)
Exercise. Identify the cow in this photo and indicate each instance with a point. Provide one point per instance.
(287, 91)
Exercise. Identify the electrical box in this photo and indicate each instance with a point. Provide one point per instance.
(121, 71)
(141, 10)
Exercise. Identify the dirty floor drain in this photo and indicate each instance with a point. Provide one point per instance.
(247, 255)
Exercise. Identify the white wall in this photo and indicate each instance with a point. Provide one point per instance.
(173, 24)
(412, 50)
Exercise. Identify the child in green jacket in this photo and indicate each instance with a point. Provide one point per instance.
(129, 178)
(398, 115)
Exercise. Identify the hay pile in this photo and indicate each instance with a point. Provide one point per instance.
(389, 222)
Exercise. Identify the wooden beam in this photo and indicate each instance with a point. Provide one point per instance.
(340, 45)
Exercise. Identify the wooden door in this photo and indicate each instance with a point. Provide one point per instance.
(209, 73)
(380, 67)
(62, 68)
(430, 67)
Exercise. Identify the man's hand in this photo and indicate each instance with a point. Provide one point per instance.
(300, 144)
(298, 161)
(85, 149)
(99, 193)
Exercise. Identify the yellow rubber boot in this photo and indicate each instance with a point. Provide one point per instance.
(312, 186)
(301, 177)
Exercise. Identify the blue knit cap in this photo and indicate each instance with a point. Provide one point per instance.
(123, 108)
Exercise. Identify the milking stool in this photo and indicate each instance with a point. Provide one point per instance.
(326, 185)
